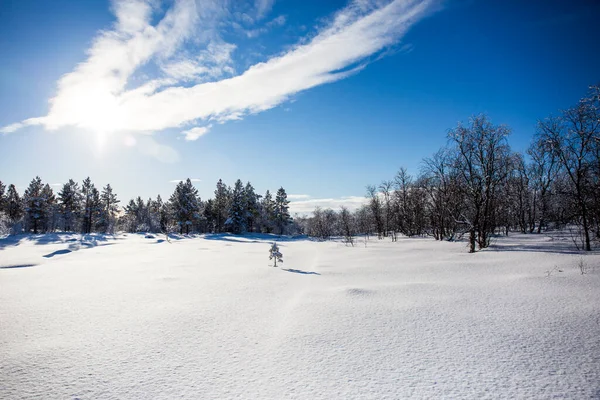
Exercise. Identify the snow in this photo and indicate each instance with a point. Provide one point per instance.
(131, 317)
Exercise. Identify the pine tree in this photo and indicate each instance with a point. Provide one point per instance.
(185, 205)
(49, 209)
(163, 214)
(34, 204)
(70, 204)
(275, 254)
(220, 205)
(268, 212)
(237, 209)
(108, 209)
(14, 204)
(91, 205)
(131, 216)
(282, 214)
(252, 208)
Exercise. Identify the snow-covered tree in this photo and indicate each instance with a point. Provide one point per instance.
(91, 205)
(109, 207)
(14, 204)
(185, 205)
(69, 199)
(267, 212)
(252, 207)
(34, 204)
(275, 254)
(50, 209)
(237, 210)
(220, 205)
(282, 213)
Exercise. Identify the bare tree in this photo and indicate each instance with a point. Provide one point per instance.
(482, 160)
(573, 137)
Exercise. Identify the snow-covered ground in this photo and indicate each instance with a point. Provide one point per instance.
(207, 318)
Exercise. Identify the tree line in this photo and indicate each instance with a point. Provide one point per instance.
(477, 187)
(84, 208)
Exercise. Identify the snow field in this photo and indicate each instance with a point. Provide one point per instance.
(207, 317)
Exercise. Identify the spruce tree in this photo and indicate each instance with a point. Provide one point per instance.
(91, 205)
(185, 205)
(14, 204)
(109, 208)
(69, 199)
(237, 209)
(252, 209)
(34, 204)
(49, 209)
(282, 214)
(220, 205)
(268, 212)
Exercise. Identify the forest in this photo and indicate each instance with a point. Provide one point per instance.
(475, 187)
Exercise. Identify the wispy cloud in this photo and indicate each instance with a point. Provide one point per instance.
(100, 95)
(183, 180)
(305, 207)
(263, 7)
(297, 196)
(195, 133)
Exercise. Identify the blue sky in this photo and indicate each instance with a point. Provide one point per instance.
(322, 97)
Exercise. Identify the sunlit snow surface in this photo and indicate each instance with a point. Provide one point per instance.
(136, 317)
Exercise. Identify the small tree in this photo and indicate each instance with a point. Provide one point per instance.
(275, 254)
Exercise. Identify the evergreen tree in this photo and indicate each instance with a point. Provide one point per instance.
(14, 204)
(185, 205)
(108, 209)
(237, 210)
(49, 209)
(220, 205)
(282, 214)
(70, 204)
(34, 204)
(131, 216)
(163, 214)
(252, 207)
(91, 205)
(268, 212)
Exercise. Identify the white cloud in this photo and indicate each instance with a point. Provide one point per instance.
(195, 133)
(305, 207)
(183, 180)
(297, 196)
(98, 93)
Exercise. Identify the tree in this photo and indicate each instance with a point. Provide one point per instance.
(574, 138)
(69, 199)
(347, 225)
(376, 210)
(237, 210)
(50, 212)
(542, 172)
(282, 214)
(275, 254)
(252, 207)
(14, 204)
(220, 205)
(91, 205)
(109, 209)
(268, 212)
(482, 160)
(185, 204)
(34, 204)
